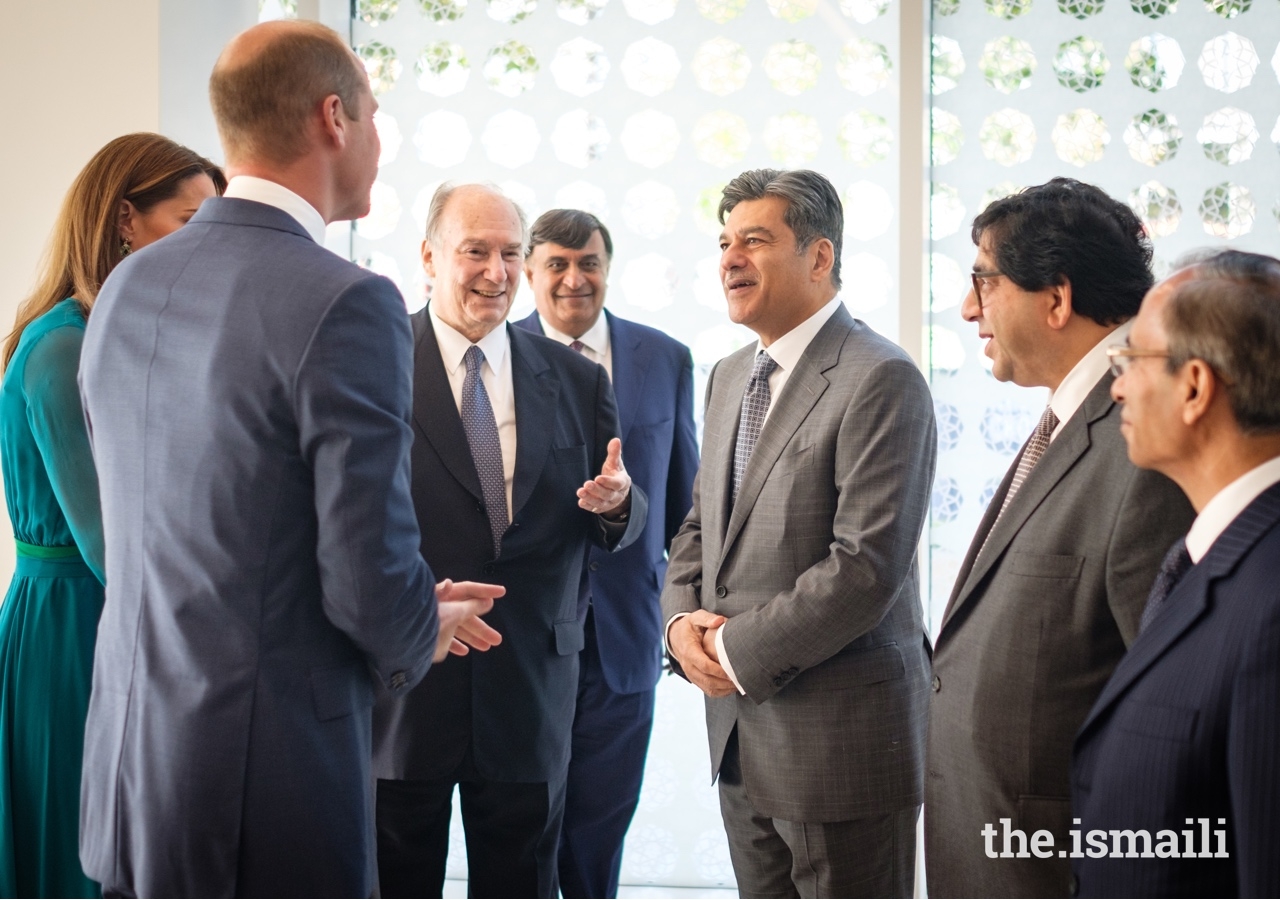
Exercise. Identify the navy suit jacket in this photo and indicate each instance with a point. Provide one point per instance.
(248, 395)
(1188, 727)
(514, 704)
(653, 381)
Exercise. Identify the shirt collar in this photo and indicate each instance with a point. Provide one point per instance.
(1085, 375)
(259, 190)
(787, 350)
(1227, 504)
(454, 344)
(595, 338)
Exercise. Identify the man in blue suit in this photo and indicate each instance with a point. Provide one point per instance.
(248, 396)
(566, 265)
(1177, 767)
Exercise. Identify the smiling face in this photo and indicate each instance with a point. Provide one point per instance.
(1011, 320)
(1151, 420)
(770, 287)
(167, 216)
(474, 261)
(569, 285)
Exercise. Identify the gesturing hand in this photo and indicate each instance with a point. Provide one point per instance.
(685, 641)
(610, 491)
(462, 604)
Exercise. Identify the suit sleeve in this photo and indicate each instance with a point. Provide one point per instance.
(886, 450)
(1253, 756)
(353, 397)
(614, 536)
(683, 467)
(1153, 514)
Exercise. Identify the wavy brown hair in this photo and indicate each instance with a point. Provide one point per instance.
(85, 246)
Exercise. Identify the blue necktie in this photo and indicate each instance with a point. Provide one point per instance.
(486, 449)
(755, 406)
(1175, 565)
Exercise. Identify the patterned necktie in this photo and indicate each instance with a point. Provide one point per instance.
(486, 450)
(577, 345)
(1176, 564)
(755, 406)
(1035, 448)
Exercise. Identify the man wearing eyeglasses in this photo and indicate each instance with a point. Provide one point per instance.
(1053, 586)
(1185, 730)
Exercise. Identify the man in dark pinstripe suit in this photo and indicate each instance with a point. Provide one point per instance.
(1183, 741)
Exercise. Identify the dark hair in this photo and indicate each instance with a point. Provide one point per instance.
(143, 168)
(570, 228)
(813, 211)
(1069, 231)
(1228, 315)
(261, 103)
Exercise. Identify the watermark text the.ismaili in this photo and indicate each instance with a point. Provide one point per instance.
(1196, 842)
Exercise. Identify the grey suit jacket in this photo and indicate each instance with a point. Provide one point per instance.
(1035, 625)
(815, 564)
(248, 396)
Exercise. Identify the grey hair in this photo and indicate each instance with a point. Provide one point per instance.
(1228, 315)
(440, 199)
(813, 211)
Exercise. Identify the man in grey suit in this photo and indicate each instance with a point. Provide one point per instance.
(248, 397)
(791, 597)
(1053, 586)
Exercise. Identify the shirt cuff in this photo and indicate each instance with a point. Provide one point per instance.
(724, 660)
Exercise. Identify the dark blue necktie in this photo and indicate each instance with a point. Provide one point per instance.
(1176, 564)
(755, 406)
(486, 449)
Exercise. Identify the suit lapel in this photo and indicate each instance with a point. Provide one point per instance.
(1070, 444)
(719, 431)
(1189, 600)
(787, 413)
(434, 410)
(537, 390)
(630, 368)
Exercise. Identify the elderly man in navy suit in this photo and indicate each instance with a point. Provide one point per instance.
(1177, 768)
(567, 263)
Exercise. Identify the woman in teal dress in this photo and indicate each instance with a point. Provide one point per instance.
(134, 191)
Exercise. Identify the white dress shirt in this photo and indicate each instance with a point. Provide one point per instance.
(1083, 377)
(248, 187)
(1226, 505)
(595, 341)
(495, 373)
(786, 351)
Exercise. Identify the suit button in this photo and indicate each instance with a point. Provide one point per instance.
(792, 672)
(722, 591)
(398, 680)
(489, 568)
(937, 683)
(594, 567)
(777, 682)
(1073, 886)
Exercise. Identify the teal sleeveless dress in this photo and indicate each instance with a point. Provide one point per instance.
(49, 619)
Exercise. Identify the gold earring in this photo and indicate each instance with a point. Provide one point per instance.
(125, 247)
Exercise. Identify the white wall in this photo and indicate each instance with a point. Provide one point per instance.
(81, 72)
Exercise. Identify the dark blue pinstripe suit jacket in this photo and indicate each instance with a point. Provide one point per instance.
(1189, 728)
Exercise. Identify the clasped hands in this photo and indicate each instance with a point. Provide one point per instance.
(692, 641)
(462, 603)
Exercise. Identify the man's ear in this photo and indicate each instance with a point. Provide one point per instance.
(824, 258)
(428, 258)
(334, 119)
(1198, 386)
(1060, 307)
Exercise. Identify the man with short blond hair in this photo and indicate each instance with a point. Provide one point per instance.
(248, 400)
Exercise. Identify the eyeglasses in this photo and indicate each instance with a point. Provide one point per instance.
(979, 282)
(1122, 357)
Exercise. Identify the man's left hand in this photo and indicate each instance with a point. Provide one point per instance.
(609, 493)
